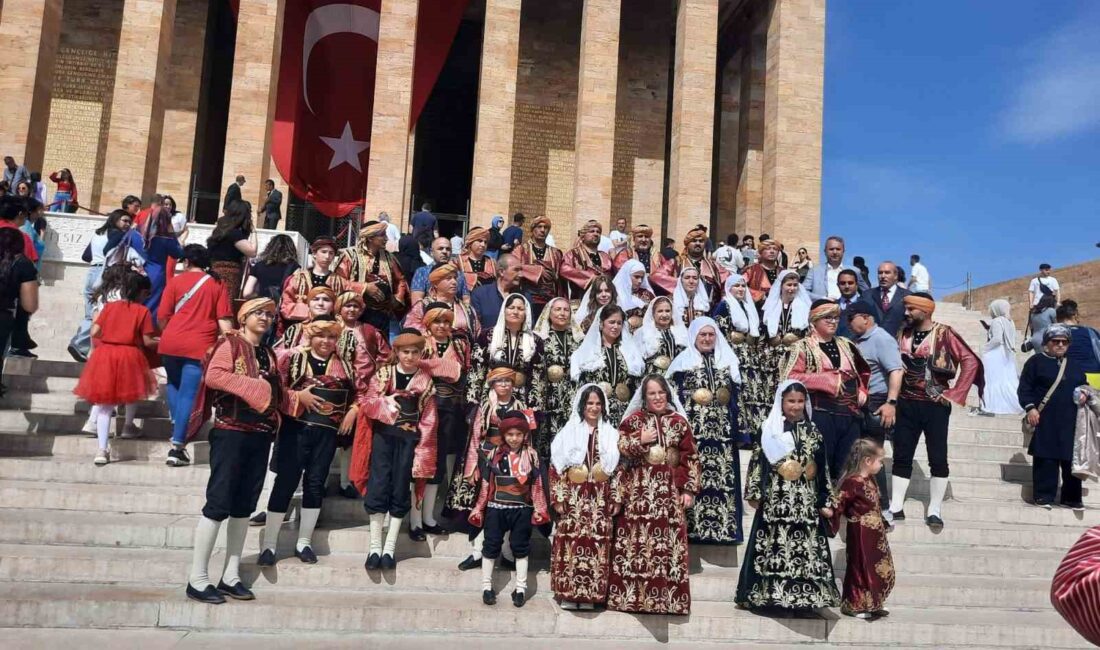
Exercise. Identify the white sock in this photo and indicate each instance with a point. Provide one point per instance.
(937, 488)
(206, 533)
(521, 575)
(898, 488)
(103, 424)
(428, 509)
(475, 546)
(376, 521)
(235, 531)
(506, 547)
(415, 519)
(271, 529)
(306, 525)
(391, 536)
(131, 411)
(486, 576)
(343, 456)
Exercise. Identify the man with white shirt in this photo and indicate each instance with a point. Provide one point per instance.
(919, 279)
(729, 255)
(886, 298)
(820, 282)
(618, 236)
(1043, 283)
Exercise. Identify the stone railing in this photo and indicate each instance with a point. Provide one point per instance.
(68, 235)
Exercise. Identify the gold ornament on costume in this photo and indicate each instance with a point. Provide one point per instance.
(605, 387)
(811, 470)
(656, 454)
(662, 362)
(737, 337)
(790, 469)
(622, 392)
(555, 373)
(722, 396)
(702, 396)
(577, 474)
(520, 380)
(598, 473)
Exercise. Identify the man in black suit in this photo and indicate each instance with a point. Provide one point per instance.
(272, 205)
(886, 299)
(233, 194)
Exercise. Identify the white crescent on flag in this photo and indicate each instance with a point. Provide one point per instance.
(334, 19)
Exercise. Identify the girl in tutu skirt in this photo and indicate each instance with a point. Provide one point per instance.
(118, 372)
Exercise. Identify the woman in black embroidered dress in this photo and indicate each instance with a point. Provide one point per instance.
(608, 356)
(661, 337)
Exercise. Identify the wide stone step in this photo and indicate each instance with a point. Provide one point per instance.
(345, 571)
(80, 447)
(68, 421)
(175, 531)
(395, 612)
(40, 404)
(41, 367)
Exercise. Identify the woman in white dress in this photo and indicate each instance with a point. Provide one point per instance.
(999, 361)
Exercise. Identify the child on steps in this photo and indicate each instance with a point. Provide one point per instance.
(869, 576)
(118, 372)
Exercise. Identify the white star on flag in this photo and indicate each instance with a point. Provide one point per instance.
(346, 149)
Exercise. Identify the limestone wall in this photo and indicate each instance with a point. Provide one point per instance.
(1080, 282)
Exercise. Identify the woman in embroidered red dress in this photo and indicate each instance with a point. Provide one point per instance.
(659, 479)
(583, 461)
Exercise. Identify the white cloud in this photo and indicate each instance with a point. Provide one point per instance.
(1058, 91)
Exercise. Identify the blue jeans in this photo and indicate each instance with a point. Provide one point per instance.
(184, 376)
(82, 340)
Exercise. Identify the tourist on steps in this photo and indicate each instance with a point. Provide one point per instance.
(18, 286)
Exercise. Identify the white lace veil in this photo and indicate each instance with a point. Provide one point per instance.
(747, 320)
(691, 358)
(649, 337)
(773, 306)
(589, 356)
(570, 445)
(637, 402)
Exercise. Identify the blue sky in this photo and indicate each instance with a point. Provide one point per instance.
(967, 132)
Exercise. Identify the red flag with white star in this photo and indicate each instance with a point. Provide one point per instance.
(325, 98)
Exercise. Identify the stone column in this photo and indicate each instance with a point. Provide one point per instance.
(496, 111)
(693, 87)
(252, 99)
(750, 141)
(389, 138)
(137, 106)
(728, 148)
(596, 90)
(29, 34)
(794, 95)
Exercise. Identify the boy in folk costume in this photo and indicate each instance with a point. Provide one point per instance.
(373, 272)
(243, 387)
(933, 354)
(292, 306)
(364, 347)
(447, 359)
(322, 408)
(398, 447)
(832, 368)
(512, 500)
(321, 303)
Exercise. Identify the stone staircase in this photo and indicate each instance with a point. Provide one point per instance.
(101, 554)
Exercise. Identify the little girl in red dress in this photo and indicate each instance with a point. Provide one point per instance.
(869, 576)
(117, 373)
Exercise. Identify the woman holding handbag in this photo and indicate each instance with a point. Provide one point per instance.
(1046, 394)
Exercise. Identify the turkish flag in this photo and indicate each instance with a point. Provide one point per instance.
(325, 96)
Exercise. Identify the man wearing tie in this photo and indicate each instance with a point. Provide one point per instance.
(887, 299)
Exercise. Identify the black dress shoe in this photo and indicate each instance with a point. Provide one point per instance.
(210, 595)
(237, 591)
(350, 493)
(506, 564)
(933, 521)
(306, 555)
(518, 598)
(488, 597)
(77, 355)
(417, 534)
(388, 562)
(469, 563)
(436, 530)
(22, 352)
(267, 558)
(258, 519)
(374, 561)
(899, 515)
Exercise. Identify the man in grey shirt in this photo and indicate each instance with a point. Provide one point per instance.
(883, 355)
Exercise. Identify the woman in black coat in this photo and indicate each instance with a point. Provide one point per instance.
(1051, 447)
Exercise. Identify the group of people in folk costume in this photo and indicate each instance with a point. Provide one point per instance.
(612, 423)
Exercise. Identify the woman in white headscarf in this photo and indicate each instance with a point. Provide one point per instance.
(560, 338)
(787, 563)
(658, 478)
(584, 458)
(786, 320)
(601, 292)
(610, 357)
(510, 343)
(635, 292)
(706, 377)
(661, 337)
(690, 297)
(739, 321)
(999, 361)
